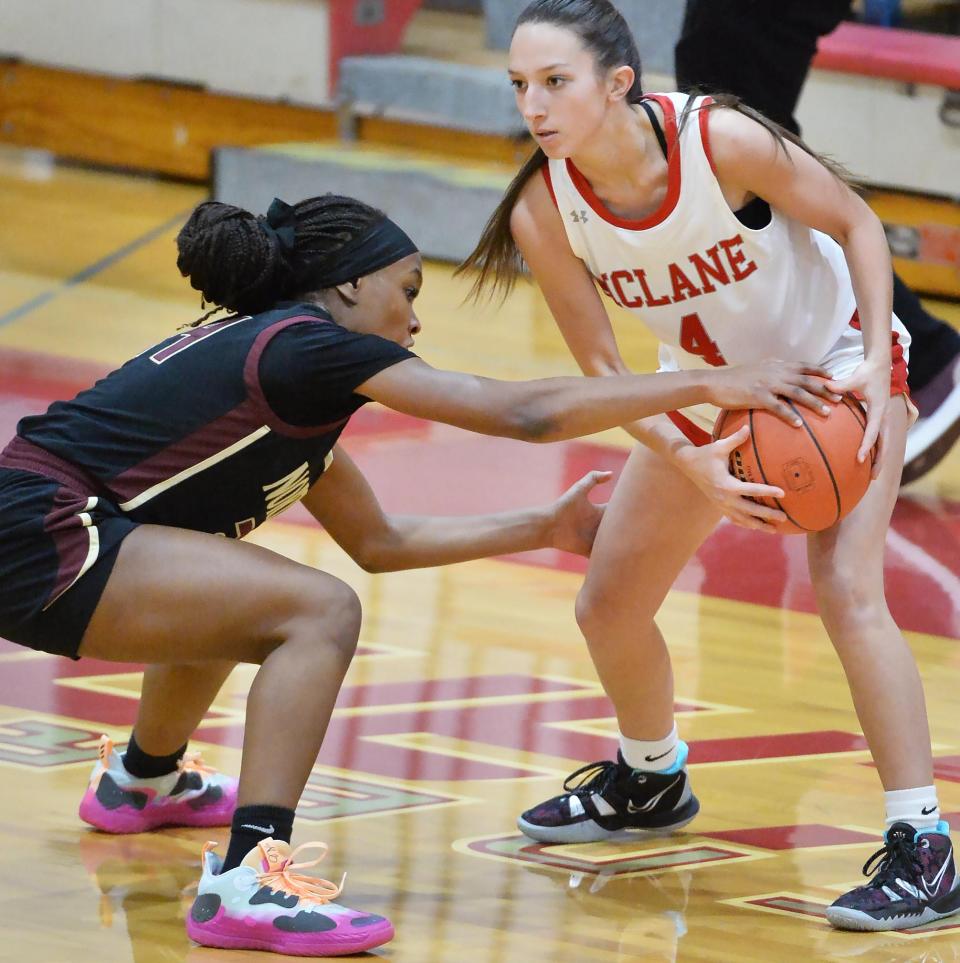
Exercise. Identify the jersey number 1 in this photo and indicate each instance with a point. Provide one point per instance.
(695, 340)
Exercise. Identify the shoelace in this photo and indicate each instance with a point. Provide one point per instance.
(104, 748)
(310, 888)
(896, 859)
(193, 762)
(593, 777)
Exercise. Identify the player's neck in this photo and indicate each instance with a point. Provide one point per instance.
(624, 163)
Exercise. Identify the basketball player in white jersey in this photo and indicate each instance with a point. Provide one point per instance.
(732, 243)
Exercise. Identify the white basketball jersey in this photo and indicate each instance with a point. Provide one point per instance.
(712, 290)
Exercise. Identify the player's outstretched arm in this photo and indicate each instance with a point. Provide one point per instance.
(554, 409)
(345, 504)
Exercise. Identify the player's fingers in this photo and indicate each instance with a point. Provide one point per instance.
(725, 445)
(591, 480)
(871, 435)
(815, 369)
(745, 520)
(809, 400)
(763, 512)
(781, 409)
(840, 386)
(821, 387)
(756, 490)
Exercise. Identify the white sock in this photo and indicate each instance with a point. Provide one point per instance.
(653, 755)
(919, 807)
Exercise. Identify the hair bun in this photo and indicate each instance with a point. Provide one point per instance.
(232, 257)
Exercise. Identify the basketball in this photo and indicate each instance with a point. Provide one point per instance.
(815, 464)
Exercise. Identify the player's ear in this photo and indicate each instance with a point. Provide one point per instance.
(349, 290)
(620, 82)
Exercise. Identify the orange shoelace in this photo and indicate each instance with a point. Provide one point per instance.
(193, 762)
(309, 888)
(104, 748)
(189, 762)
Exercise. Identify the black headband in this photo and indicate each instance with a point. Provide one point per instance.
(382, 244)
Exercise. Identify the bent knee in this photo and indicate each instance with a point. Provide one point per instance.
(588, 611)
(598, 613)
(343, 616)
(328, 611)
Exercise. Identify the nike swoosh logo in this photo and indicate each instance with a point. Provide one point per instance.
(652, 802)
(932, 887)
(269, 830)
(655, 758)
(926, 812)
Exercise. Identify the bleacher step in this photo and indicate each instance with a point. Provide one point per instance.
(442, 205)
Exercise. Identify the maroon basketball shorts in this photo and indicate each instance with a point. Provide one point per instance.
(58, 544)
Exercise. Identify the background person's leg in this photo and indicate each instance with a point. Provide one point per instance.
(760, 52)
(934, 381)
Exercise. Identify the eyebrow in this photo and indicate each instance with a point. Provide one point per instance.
(510, 70)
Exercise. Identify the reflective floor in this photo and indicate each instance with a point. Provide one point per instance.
(472, 694)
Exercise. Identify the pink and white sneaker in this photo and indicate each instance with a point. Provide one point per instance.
(194, 795)
(264, 905)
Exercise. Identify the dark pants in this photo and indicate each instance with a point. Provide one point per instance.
(761, 51)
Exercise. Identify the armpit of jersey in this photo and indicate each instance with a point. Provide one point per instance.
(309, 370)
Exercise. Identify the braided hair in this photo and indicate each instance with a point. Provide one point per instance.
(239, 264)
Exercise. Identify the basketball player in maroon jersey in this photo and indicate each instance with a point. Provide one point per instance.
(122, 513)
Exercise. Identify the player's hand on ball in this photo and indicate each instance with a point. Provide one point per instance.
(872, 383)
(576, 518)
(707, 466)
(769, 385)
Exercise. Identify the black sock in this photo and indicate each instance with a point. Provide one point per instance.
(250, 825)
(144, 766)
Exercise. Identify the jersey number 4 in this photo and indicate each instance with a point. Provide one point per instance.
(695, 340)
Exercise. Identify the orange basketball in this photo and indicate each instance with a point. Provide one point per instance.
(815, 465)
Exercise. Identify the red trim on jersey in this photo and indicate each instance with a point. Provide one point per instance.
(545, 170)
(673, 177)
(693, 433)
(898, 364)
(898, 369)
(705, 132)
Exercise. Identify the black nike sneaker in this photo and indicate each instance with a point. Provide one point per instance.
(607, 798)
(914, 882)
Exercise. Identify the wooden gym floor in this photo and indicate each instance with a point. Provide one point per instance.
(472, 695)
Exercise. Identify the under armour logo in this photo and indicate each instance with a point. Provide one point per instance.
(578, 217)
